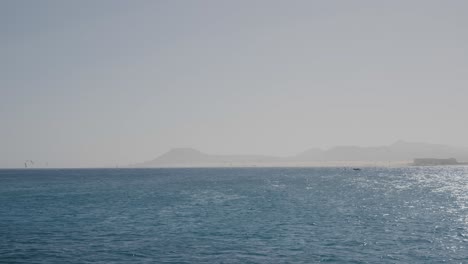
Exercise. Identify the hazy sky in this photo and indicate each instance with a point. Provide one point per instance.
(100, 83)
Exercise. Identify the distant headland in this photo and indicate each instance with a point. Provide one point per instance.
(436, 162)
(400, 153)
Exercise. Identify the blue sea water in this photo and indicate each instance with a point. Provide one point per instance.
(235, 215)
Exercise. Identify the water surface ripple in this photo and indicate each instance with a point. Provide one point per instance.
(249, 215)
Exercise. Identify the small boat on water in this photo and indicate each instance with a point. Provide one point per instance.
(356, 169)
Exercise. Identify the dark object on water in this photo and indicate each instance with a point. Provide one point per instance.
(356, 169)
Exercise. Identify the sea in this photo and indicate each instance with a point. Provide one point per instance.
(235, 215)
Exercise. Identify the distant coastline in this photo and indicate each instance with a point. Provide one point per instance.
(436, 162)
(331, 164)
(399, 154)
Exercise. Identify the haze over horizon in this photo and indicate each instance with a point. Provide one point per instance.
(105, 83)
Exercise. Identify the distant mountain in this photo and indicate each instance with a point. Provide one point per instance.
(181, 155)
(397, 152)
(188, 157)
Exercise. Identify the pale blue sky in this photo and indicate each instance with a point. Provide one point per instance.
(100, 83)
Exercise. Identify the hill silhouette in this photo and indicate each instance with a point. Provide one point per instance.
(399, 151)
